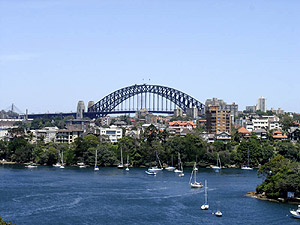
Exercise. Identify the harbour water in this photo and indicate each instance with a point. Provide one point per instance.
(47, 195)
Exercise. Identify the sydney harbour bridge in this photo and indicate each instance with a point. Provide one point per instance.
(153, 98)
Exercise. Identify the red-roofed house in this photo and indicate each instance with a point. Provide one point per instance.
(176, 127)
(244, 132)
(278, 135)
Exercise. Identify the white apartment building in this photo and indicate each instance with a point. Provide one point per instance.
(3, 133)
(48, 134)
(261, 104)
(265, 122)
(274, 123)
(113, 133)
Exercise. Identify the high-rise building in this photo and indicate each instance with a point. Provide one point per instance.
(80, 110)
(233, 108)
(215, 102)
(217, 120)
(251, 108)
(261, 104)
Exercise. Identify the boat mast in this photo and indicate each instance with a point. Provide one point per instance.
(248, 156)
(96, 159)
(121, 157)
(205, 192)
(62, 158)
(195, 172)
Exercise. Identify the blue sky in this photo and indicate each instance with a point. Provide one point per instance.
(56, 52)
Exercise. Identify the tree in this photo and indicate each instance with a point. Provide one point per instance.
(281, 176)
(286, 121)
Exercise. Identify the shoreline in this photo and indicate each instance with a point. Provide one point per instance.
(279, 200)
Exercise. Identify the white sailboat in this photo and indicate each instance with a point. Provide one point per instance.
(96, 168)
(179, 167)
(121, 165)
(218, 166)
(205, 206)
(171, 168)
(62, 160)
(155, 168)
(195, 184)
(57, 165)
(247, 167)
(127, 166)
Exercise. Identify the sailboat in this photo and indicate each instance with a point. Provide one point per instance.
(193, 175)
(205, 206)
(120, 166)
(171, 168)
(155, 168)
(62, 160)
(96, 168)
(218, 166)
(127, 169)
(247, 167)
(180, 168)
(57, 165)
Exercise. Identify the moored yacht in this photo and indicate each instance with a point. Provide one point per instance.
(195, 184)
(296, 213)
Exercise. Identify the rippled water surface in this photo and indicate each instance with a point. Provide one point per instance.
(47, 195)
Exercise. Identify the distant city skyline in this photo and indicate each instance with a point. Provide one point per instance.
(55, 53)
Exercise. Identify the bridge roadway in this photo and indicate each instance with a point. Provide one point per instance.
(90, 115)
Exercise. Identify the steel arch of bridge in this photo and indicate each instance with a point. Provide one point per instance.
(107, 104)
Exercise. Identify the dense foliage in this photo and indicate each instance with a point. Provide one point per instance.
(143, 151)
(282, 176)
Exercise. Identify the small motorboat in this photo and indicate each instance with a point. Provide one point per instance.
(178, 171)
(62, 167)
(127, 169)
(170, 168)
(219, 213)
(155, 168)
(246, 167)
(96, 168)
(150, 172)
(31, 166)
(296, 213)
(181, 174)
